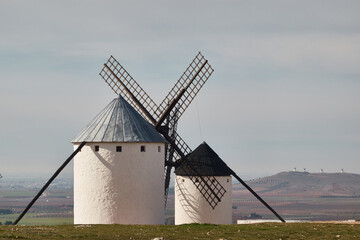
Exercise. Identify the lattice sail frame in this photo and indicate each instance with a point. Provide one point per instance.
(213, 196)
(193, 79)
(121, 82)
(183, 93)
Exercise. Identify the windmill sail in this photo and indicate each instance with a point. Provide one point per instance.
(178, 98)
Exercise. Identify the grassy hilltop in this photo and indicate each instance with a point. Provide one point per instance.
(193, 231)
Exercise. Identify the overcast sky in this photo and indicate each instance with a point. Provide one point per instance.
(285, 92)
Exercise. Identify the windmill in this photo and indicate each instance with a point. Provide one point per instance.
(164, 117)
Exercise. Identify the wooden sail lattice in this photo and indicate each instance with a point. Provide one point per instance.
(178, 99)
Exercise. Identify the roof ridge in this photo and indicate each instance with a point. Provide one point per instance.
(95, 119)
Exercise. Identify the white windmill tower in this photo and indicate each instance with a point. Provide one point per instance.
(118, 175)
(190, 205)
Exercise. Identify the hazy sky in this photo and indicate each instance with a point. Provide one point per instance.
(285, 92)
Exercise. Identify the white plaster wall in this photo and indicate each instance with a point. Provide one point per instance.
(191, 206)
(119, 187)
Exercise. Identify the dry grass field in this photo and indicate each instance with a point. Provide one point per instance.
(193, 231)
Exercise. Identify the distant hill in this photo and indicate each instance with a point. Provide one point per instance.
(305, 183)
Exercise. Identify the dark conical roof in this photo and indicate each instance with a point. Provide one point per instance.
(119, 122)
(206, 163)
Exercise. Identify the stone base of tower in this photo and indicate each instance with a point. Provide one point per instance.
(192, 207)
(124, 187)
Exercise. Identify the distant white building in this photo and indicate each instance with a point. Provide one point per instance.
(119, 173)
(190, 204)
(256, 221)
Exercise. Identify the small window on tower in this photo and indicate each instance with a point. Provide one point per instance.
(142, 149)
(228, 180)
(159, 149)
(118, 148)
(96, 148)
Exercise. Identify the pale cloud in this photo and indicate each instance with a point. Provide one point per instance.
(305, 52)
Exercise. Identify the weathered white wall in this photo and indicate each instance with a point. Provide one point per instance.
(119, 187)
(191, 206)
